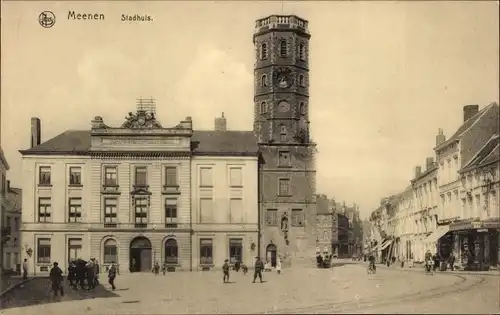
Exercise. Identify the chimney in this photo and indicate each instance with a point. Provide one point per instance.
(220, 123)
(428, 162)
(440, 138)
(469, 111)
(418, 171)
(36, 132)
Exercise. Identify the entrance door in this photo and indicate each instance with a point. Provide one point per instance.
(271, 254)
(140, 254)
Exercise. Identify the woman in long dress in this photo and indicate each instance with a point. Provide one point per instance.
(278, 265)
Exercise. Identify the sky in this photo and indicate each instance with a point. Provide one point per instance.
(384, 76)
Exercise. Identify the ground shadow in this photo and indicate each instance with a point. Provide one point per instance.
(38, 291)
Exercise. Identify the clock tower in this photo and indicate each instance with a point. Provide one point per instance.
(281, 124)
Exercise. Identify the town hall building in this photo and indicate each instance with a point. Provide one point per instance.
(142, 193)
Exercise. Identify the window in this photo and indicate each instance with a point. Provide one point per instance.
(263, 51)
(44, 175)
(272, 217)
(44, 210)
(141, 173)
(141, 212)
(301, 80)
(16, 224)
(298, 217)
(283, 133)
(325, 235)
(284, 159)
(110, 176)
(302, 51)
(206, 210)
(110, 212)
(302, 108)
(236, 210)
(284, 187)
(170, 212)
(171, 252)
(235, 177)
(74, 248)
(206, 177)
(263, 80)
(75, 175)
(235, 250)
(263, 107)
(75, 210)
(171, 176)
(110, 252)
(283, 48)
(206, 251)
(43, 251)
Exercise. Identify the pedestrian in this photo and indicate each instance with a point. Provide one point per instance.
(72, 274)
(225, 270)
(90, 274)
(56, 278)
(133, 265)
(244, 268)
(259, 266)
(156, 268)
(112, 275)
(164, 267)
(25, 269)
(278, 265)
(452, 262)
(96, 272)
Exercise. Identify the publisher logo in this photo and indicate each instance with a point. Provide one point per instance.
(47, 19)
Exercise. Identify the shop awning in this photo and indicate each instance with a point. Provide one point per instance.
(437, 234)
(386, 244)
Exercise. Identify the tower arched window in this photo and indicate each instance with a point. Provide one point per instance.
(302, 108)
(263, 80)
(263, 51)
(283, 133)
(283, 48)
(302, 51)
(301, 80)
(263, 107)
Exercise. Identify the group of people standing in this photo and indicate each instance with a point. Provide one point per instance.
(80, 273)
(259, 267)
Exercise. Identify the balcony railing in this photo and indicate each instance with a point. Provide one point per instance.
(101, 226)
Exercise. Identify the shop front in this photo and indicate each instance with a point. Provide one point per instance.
(476, 243)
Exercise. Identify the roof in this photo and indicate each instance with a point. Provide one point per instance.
(204, 142)
(14, 199)
(489, 153)
(465, 126)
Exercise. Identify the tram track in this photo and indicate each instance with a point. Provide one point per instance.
(461, 285)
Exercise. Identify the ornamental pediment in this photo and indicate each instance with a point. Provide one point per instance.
(141, 120)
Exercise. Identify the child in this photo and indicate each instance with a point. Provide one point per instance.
(225, 269)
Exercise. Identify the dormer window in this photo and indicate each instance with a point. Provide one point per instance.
(283, 49)
(263, 51)
(263, 80)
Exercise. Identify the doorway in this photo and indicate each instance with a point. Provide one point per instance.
(141, 259)
(271, 254)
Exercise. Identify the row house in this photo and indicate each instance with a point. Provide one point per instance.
(476, 234)
(325, 219)
(140, 193)
(452, 154)
(4, 231)
(12, 209)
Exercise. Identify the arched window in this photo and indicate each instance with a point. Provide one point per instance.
(302, 51)
(263, 51)
(301, 80)
(263, 107)
(110, 252)
(302, 108)
(283, 133)
(263, 80)
(171, 251)
(283, 48)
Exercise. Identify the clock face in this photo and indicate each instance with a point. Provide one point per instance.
(283, 78)
(283, 106)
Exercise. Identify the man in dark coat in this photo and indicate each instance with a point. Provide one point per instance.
(112, 276)
(56, 279)
(259, 266)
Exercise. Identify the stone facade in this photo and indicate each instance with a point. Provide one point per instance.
(281, 123)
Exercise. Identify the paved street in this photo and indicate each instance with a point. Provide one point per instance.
(341, 289)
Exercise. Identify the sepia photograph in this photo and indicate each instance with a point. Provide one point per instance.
(249, 157)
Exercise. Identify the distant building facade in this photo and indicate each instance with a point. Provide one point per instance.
(12, 223)
(4, 167)
(324, 226)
